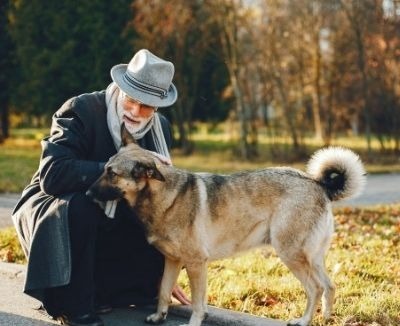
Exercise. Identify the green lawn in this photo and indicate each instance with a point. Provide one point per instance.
(19, 156)
(18, 161)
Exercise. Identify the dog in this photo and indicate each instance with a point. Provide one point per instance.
(194, 218)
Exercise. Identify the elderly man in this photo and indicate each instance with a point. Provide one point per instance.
(83, 258)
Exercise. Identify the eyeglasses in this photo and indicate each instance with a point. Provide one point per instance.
(136, 102)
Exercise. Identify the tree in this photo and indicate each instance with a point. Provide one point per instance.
(284, 67)
(232, 20)
(181, 32)
(383, 67)
(65, 48)
(6, 68)
(359, 15)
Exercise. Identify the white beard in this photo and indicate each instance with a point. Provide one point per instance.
(133, 128)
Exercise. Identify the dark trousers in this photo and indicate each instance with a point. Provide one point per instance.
(111, 261)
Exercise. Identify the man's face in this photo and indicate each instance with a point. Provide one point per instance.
(135, 115)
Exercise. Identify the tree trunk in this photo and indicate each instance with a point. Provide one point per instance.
(329, 114)
(228, 20)
(317, 103)
(184, 105)
(183, 139)
(5, 126)
(366, 111)
(352, 17)
(244, 148)
(288, 114)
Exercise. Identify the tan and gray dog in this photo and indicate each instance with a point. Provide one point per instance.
(194, 218)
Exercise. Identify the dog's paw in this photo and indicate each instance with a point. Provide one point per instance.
(156, 318)
(297, 322)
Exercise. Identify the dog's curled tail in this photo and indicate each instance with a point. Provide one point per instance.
(339, 170)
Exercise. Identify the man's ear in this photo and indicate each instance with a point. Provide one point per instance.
(126, 136)
(141, 170)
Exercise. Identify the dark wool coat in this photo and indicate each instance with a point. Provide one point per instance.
(73, 157)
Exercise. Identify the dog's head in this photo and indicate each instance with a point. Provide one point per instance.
(126, 174)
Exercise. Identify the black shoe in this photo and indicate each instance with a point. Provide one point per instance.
(103, 308)
(82, 320)
(44, 312)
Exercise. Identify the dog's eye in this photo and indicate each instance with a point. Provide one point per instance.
(111, 173)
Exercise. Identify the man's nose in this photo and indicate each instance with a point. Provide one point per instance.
(134, 108)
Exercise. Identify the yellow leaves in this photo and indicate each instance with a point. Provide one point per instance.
(360, 323)
(356, 226)
(7, 254)
(10, 249)
(10, 257)
(397, 227)
(266, 301)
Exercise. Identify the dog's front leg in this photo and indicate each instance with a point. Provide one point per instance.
(197, 274)
(170, 275)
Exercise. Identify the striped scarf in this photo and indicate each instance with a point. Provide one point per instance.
(113, 101)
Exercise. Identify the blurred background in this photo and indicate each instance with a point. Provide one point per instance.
(284, 72)
(261, 83)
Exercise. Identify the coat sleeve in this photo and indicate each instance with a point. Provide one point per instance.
(63, 165)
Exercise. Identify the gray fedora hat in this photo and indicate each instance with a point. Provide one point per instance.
(147, 79)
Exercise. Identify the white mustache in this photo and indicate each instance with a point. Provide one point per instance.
(137, 119)
(137, 125)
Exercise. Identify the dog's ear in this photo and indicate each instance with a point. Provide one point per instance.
(154, 173)
(126, 136)
(141, 170)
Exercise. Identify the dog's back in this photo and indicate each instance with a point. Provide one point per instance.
(243, 210)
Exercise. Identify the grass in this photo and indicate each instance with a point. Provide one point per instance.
(363, 260)
(214, 152)
(19, 158)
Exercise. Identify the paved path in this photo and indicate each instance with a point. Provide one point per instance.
(17, 309)
(7, 203)
(380, 189)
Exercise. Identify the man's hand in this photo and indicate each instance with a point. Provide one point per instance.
(163, 159)
(179, 295)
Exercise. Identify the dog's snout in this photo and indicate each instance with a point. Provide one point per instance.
(104, 193)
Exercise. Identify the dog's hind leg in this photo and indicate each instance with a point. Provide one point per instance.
(197, 274)
(329, 289)
(171, 273)
(300, 266)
